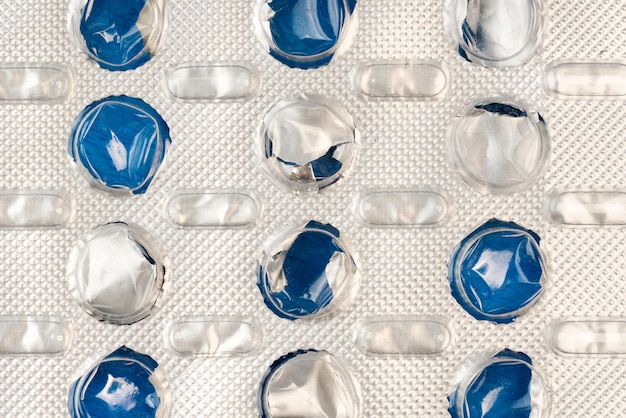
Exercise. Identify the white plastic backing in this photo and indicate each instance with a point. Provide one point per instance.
(402, 147)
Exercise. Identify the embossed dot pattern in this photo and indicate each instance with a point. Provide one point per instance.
(402, 145)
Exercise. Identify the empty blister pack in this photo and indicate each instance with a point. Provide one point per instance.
(345, 147)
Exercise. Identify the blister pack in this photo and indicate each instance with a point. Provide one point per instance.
(328, 208)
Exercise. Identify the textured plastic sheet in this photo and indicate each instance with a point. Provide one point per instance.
(402, 147)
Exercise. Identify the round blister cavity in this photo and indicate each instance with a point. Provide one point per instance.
(118, 144)
(119, 35)
(506, 384)
(308, 272)
(125, 383)
(497, 272)
(307, 144)
(495, 33)
(117, 272)
(309, 383)
(499, 147)
(305, 33)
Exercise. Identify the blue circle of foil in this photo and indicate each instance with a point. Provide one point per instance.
(306, 28)
(120, 140)
(307, 290)
(109, 29)
(499, 273)
(118, 386)
(501, 389)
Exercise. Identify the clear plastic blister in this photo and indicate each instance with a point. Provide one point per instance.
(118, 144)
(198, 82)
(308, 271)
(307, 143)
(495, 33)
(506, 383)
(305, 34)
(118, 36)
(403, 206)
(309, 383)
(499, 146)
(33, 83)
(122, 383)
(118, 273)
(498, 271)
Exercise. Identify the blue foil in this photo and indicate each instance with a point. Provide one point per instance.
(307, 28)
(323, 168)
(118, 386)
(109, 28)
(501, 389)
(327, 165)
(475, 40)
(121, 141)
(500, 270)
(307, 290)
(503, 110)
